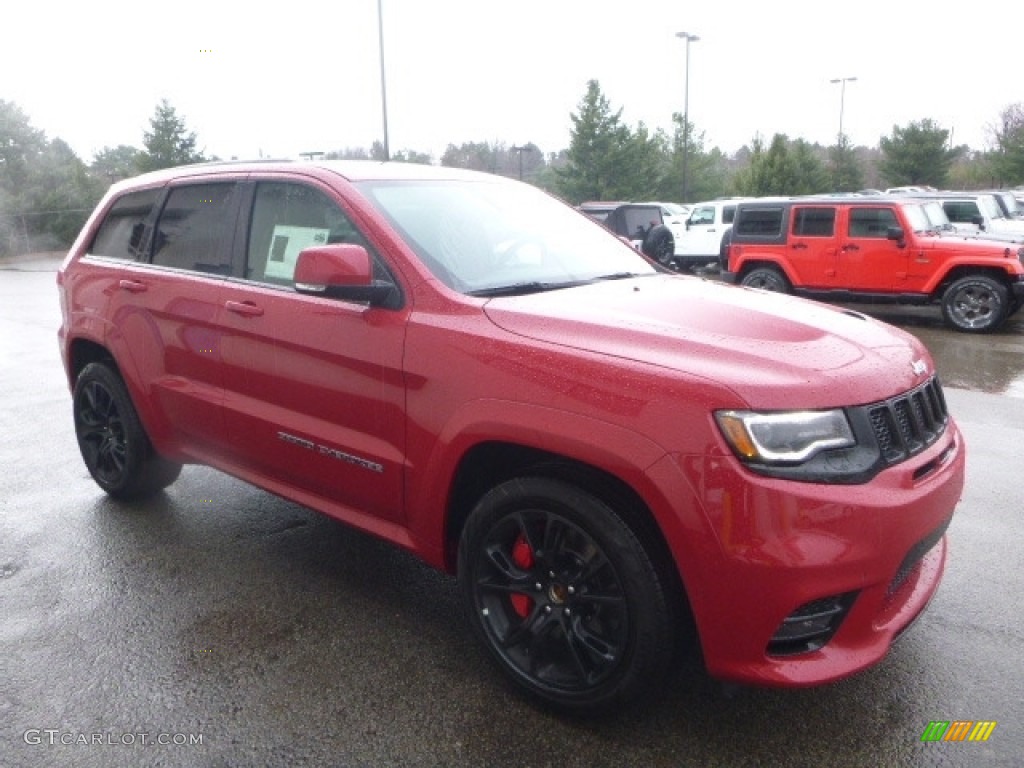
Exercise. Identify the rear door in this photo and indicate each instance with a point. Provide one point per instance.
(813, 245)
(164, 313)
(314, 387)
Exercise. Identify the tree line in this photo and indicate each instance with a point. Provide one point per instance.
(47, 191)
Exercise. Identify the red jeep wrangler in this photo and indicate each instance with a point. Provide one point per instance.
(874, 250)
(606, 454)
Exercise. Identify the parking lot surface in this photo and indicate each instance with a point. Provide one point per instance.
(221, 626)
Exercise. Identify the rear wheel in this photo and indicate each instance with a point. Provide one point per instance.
(976, 303)
(767, 279)
(564, 595)
(113, 443)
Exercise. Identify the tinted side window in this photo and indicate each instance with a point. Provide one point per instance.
(960, 212)
(194, 229)
(287, 218)
(760, 221)
(122, 234)
(871, 222)
(728, 213)
(814, 222)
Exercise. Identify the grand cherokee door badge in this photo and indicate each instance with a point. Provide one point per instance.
(334, 453)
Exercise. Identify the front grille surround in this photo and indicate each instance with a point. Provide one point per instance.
(905, 425)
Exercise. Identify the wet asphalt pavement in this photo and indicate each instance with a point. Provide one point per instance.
(221, 626)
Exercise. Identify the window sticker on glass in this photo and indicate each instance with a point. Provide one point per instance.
(285, 246)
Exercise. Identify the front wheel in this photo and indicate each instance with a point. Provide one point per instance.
(113, 443)
(975, 303)
(767, 279)
(564, 596)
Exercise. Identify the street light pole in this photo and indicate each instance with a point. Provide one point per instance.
(519, 150)
(842, 100)
(686, 109)
(383, 85)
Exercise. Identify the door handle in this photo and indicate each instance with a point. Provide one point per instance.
(799, 246)
(133, 286)
(244, 308)
(850, 247)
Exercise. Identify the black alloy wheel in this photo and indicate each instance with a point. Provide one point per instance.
(564, 595)
(113, 443)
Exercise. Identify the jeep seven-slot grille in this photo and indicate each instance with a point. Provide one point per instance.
(906, 425)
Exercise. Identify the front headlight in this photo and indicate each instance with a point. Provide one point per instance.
(788, 437)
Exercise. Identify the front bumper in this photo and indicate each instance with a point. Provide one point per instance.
(866, 558)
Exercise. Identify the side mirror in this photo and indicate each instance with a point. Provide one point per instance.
(341, 271)
(979, 222)
(894, 233)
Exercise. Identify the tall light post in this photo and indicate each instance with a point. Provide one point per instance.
(519, 151)
(686, 109)
(842, 100)
(383, 86)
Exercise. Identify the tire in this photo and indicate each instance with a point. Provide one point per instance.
(767, 279)
(564, 596)
(659, 244)
(114, 445)
(975, 304)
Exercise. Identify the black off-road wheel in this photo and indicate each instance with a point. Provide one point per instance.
(975, 304)
(659, 244)
(564, 596)
(113, 443)
(767, 279)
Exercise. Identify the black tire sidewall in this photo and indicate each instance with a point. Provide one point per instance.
(650, 642)
(767, 272)
(659, 244)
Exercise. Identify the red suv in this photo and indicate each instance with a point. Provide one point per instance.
(875, 250)
(608, 455)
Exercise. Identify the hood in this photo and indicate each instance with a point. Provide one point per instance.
(772, 350)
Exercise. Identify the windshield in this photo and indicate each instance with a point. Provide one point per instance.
(1013, 210)
(917, 218)
(937, 217)
(498, 236)
(989, 207)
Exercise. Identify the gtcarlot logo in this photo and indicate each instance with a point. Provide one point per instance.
(55, 736)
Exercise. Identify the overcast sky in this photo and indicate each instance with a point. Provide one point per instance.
(297, 76)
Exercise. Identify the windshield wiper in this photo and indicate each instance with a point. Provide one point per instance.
(520, 289)
(619, 276)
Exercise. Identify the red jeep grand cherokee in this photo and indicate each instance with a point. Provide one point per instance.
(605, 453)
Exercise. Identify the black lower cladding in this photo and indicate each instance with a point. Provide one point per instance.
(916, 555)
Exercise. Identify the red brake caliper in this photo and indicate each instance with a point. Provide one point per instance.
(522, 556)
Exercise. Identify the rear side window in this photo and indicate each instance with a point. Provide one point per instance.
(194, 229)
(814, 222)
(871, 222)
(286, 218)
(728, 214)
(762, 222)
(122, 234)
